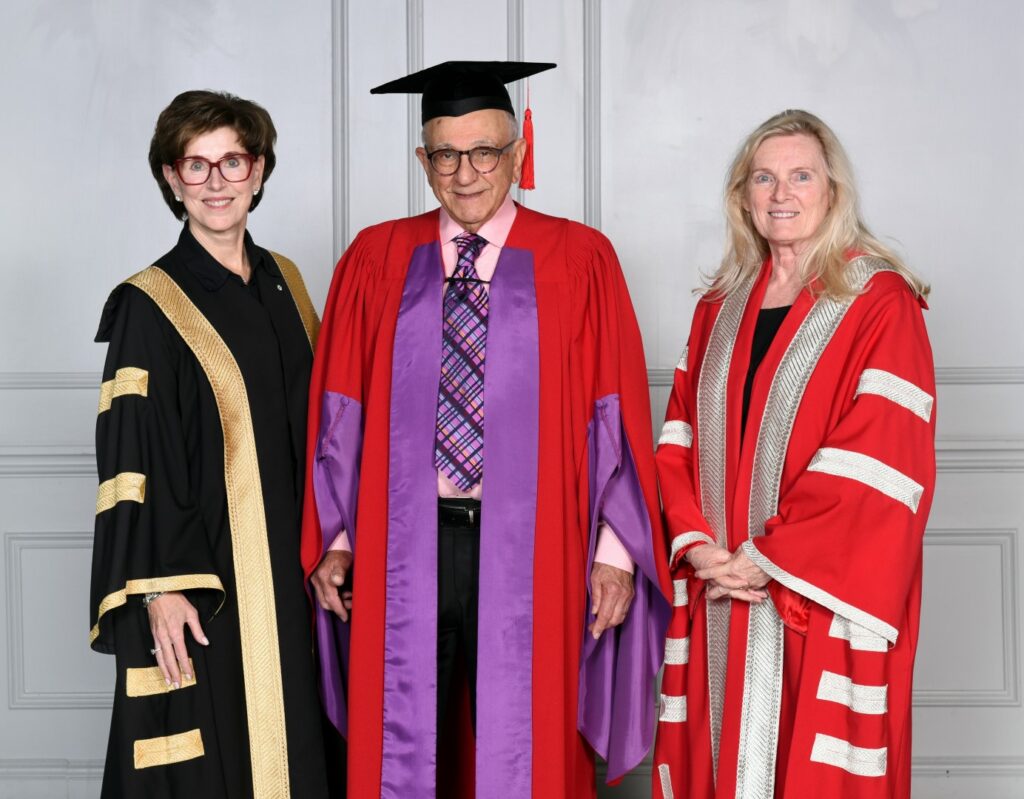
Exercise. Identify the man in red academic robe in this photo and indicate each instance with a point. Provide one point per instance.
(492, 497)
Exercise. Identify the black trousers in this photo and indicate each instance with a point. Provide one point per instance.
(458, 573)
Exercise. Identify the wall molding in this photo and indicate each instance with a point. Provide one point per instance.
(50, 381)
(1009, 695)
(970, 454)
(36, 768)
(19, 697)
(47, 460)
(414, 63)
(592, 113)
(515, 48)
(340, 122)
(979, 375)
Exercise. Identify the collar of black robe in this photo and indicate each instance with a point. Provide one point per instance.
(210, 272)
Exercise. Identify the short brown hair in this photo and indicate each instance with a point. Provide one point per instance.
(193, 113)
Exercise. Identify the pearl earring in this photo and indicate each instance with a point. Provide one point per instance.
(255, 192)
(177, 199)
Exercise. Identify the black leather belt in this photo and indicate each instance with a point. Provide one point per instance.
(459, 513)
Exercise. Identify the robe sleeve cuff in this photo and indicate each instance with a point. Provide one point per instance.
(822, 597)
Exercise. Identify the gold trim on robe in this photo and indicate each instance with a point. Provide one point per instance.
(150, 681)
(257, 612)
(152, 585)
(125, 487)
(127, 380)
(168, 749)
(304, 305)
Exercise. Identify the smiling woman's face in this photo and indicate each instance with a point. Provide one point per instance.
(788, 193)
(217, 206)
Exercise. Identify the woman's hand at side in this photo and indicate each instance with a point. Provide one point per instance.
(169, 614)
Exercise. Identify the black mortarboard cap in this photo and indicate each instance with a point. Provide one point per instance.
(455, 88)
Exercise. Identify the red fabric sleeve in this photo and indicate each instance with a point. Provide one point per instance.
(848, 533)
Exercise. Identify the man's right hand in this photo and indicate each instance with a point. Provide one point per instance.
(328, 579)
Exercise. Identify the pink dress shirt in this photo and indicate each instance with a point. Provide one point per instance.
(495, 231)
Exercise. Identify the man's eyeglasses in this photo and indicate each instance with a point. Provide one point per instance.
(483, 159)
(196, 170)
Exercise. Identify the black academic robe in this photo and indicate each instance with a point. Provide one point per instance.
(200, 444)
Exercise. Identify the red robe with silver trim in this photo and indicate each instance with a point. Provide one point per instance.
(843, 546)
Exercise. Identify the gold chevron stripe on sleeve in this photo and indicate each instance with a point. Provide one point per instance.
(127, 486)
(168, 749)
(152, 585)
(250, 549)
(297, 287)
(128, 380)
(150, 681)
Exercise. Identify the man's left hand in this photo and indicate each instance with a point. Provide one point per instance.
(612, 593)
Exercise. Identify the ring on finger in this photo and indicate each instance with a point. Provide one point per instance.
(155, 650)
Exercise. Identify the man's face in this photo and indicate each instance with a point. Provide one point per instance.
(469, 197)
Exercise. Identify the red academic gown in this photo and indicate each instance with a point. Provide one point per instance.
(566, 440)
(828, 490)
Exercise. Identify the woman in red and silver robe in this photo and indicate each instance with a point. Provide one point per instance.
(797, 465)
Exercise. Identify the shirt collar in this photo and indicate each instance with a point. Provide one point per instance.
(495, 230)
(212, 275)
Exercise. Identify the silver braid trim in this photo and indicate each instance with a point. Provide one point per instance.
(896, 389)
(677, 651)
(711, 429)
(853, 759)
(869, 471)
(673, 709)
(676, 431)
(666, 781)
(871, 700)
(762, 690)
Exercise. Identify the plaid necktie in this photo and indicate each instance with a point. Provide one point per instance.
(459, 445)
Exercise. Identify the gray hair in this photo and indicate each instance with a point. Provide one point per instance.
(513, 128)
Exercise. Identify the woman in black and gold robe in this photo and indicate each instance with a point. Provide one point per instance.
(196, 584)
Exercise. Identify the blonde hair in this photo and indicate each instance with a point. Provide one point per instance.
(824, 261)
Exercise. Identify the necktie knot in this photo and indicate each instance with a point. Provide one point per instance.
(468, 246)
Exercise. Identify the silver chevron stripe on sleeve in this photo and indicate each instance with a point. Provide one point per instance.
(861, 639)
(685, 539)
(676, 431)
(679, 595)
(871, 700)
(681, 366)
(854, 759)
(673, 708)
(677, 651)
(869, 471)
(902, 392)
(822, 597)
(666, 781)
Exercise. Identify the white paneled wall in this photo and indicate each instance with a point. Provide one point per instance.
(634, 133)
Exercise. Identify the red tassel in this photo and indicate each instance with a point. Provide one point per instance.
(526, 179)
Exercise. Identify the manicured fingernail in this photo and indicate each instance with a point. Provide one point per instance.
(188, 678)
(205, 641)
(168, 682)
(176, 686)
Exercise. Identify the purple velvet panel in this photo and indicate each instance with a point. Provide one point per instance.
(504, 764)
(616, 697)
(335, 486)
(410, 627)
